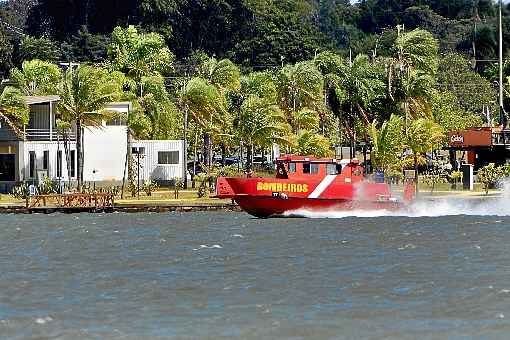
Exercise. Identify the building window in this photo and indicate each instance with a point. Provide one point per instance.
(73, 164)
(314, 168)
(168, 157)
(31, 164)
(138, 150)
(59, 163)
(46, 159)
(116, 122)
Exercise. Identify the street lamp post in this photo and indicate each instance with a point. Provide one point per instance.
(138, 172)
(94, 172)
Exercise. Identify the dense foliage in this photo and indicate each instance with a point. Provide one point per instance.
(257, 33)
(244, 74)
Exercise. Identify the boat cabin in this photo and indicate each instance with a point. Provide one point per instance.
(291, 167)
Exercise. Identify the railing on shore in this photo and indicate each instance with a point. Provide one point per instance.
(46, 135)
(501, 138)
(71, 201)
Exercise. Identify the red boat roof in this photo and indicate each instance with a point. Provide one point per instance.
(295, 158)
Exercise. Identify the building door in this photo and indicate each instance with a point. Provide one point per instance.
(7, 167)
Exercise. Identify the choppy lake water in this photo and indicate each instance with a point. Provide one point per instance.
(227, 275)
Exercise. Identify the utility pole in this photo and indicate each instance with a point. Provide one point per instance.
(185, 137)
(502, 113)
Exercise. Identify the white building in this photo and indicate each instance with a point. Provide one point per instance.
(42, 151)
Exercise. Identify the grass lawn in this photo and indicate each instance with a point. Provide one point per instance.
(166, 196)
(9, 200)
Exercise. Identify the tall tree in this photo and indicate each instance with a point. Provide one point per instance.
(310, 143)
(84, 93)
(144, 59)
(412, 71)
(423, 135)
(387, 142)
(37, 78)
(15, 12)
(13, 109)
(6, 50)
(85, 47)
(300, 89)
(204, 96)
(472, 91)
(61, 19)
(449, 113)
(37, 48)
(139, 54)
(260, 124)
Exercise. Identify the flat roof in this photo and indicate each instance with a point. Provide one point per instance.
(31, 100)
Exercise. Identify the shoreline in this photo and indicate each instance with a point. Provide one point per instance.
(163, 206)
(159, 207)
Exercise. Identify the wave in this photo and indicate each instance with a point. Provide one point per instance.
(429, 207)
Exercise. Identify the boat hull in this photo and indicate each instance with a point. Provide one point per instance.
(264, 206)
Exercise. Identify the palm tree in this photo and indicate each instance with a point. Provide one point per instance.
(207, 107)
(411, 72)
(36, 78)
(13, 109)
(223, 74)
(84, 94)
(358, 87)
(143, 58)
(300, 89)
(422, 136)
(139, 55)
(260, 123)
(159, 109)
(204, 97)
(310, 143)
(387, 142)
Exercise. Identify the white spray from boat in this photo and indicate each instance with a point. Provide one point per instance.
(430, 207)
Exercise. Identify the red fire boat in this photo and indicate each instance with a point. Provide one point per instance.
(310, 184)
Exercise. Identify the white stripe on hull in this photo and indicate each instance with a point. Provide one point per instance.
(322, 186)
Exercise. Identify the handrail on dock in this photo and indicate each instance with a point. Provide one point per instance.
(71, 201)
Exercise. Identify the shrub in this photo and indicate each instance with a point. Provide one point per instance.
(20, 192)
(202, 180)
(505, 170)
(454, 178)
(149, 186)
(432, 178)
(47, 187)
(178, 185)
(489, 175)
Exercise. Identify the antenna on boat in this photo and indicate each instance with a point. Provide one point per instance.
(502, 113)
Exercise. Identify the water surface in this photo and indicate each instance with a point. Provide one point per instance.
(227, 275)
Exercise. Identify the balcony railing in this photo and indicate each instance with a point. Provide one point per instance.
(46, 135)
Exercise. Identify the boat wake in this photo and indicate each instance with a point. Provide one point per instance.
(430, 207)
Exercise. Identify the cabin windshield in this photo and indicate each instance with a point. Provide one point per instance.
(292, 167)
(286, 169)
(333, 169)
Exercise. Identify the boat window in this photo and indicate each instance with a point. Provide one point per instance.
(306, 168)
(281, 172)
(339, 169)
(292, 167)
(314, 168)
(331, 169)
